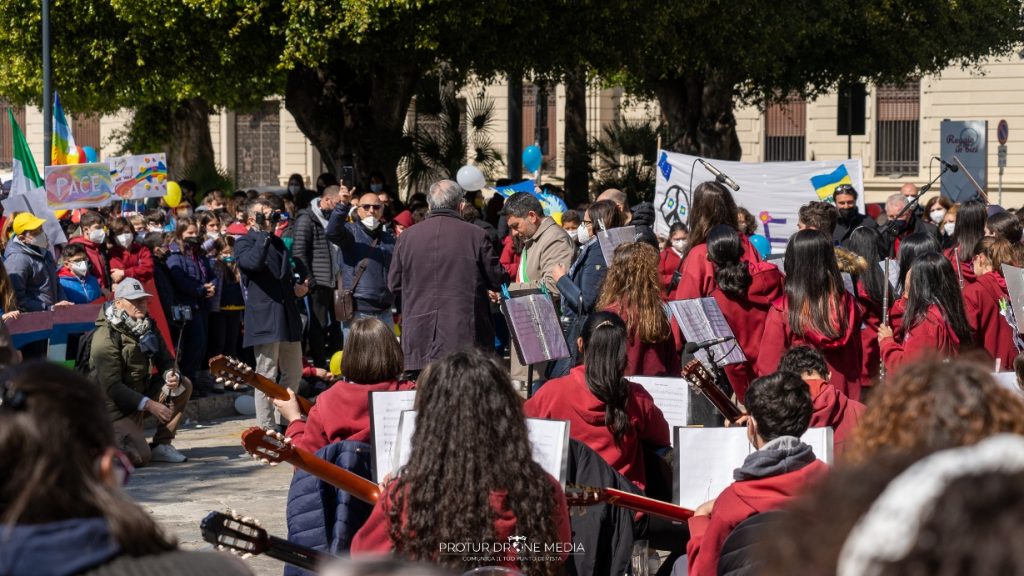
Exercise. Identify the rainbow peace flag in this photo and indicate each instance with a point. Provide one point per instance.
(825, 184)
(64, 150)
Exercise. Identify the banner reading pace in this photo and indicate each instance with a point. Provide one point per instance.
(772, 191)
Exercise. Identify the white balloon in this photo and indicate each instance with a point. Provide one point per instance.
(470, 178)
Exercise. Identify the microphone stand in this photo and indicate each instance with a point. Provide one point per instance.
(889, 236)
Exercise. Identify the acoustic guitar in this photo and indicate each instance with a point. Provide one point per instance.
(245, 536)
(273, 448)
(236, 374)
(701, 379)
(579, 496)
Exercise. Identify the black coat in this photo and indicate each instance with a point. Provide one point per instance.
(844, 228)
(443, 268)
(268, 282)
(309, 246)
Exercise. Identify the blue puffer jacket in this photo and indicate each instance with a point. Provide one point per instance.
(188, 274)
(321, 516)
(354, 240)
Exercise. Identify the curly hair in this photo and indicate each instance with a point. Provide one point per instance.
(470, 442)
(930, 405)
(633, 287)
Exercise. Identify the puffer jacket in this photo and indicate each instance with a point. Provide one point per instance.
(354, 240)
(33, 274)
(310, 247)
(121, 368)
(189, 272)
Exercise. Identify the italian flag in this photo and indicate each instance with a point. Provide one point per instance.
(28, 193)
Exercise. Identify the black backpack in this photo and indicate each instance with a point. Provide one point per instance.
(83, 357)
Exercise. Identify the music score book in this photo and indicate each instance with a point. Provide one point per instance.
(385, 412)
(535, 329)
(700, 319)
(609, 240)
(706, 457)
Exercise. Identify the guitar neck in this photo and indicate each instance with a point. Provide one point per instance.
(336, 476)
(647, 505)
(720, 401)
(276, 391)
(296, 555)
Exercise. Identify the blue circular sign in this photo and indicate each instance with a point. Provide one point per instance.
(1003, 132)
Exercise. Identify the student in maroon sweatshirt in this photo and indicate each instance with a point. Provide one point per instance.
(832, 408)
(781, 468)
(986, 298)
(605, 411)
(934, 322)
(373, 363)
(94, 239)
(971, 219)
(471, 478)
(744, 291)
(816, 311)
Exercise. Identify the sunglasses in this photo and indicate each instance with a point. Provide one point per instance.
(371, 207)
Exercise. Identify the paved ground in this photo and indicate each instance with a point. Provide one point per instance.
(218, 476)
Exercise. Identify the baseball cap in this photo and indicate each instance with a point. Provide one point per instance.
(27, 221)
(130, 289)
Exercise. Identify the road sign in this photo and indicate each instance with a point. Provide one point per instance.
(1002, 155)
(1003, 132)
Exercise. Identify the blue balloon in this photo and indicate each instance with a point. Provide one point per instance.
(90, 154)
(761, 244)
(532, 158)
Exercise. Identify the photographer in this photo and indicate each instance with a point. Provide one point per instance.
(273, 289)
(124, 348)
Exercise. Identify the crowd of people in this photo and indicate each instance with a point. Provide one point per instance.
(899, 365)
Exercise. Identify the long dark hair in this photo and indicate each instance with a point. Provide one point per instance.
(933, 282)
(969, 229)
(470, 441)
(866, 243)
(50, 444)
(604, 358)
(911, 248)
(712, 205)
(603, 211)
(814, 285)
(725, 252)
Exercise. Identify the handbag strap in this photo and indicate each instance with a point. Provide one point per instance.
(362, 266)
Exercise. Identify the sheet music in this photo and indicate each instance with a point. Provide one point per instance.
(707, 457)
(537, 331)
(609, 240)
(701, 319)
(1015, 286)
(549, 440)
(386, 410)
(671, 396)
(894, 273)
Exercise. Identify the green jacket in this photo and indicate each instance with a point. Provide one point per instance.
(122, 369)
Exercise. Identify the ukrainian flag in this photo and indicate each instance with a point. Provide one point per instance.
(825, 184)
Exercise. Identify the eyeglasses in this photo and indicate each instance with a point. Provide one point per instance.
(371, 207)
(844, 188)
(588, 221)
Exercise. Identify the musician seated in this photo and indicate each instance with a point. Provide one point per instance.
(781, 467)
(373, 363)
(832, 408)
(470, 479)
(126, 348)
(608, 413)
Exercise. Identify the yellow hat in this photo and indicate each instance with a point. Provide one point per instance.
(60, 213)
(27, 221)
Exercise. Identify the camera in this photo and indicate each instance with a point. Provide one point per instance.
(275, 217)
(181, 314)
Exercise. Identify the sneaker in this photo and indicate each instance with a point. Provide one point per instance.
(167, 453)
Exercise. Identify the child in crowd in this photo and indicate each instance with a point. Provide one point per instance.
(79, 284)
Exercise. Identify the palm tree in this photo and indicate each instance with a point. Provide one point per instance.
(626, 155)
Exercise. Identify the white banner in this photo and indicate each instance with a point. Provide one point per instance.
(772, 191)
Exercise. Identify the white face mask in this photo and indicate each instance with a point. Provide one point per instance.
(124, 240)
(98, 235)
(80, 268)
(948, 228)
(937, 215)
(370, 222)
(582, 234)
(679, 245)
(213, 235)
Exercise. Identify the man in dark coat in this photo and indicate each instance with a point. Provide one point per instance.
(272, 324)
(444, 268)
(850, 218)
(310, 247)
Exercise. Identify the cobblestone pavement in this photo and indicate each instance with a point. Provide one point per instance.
(218, 475)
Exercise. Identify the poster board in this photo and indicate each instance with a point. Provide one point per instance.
(139, 176)
(71, 186)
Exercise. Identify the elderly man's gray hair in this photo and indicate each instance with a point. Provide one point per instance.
(445, 194)
(896, 201)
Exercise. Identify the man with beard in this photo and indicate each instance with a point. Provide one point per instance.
(850, 218)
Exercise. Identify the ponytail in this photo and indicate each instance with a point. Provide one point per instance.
(604, 360)
(725, 252)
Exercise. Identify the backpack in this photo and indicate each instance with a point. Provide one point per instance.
(83, 357)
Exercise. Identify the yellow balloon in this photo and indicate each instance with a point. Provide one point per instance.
(336, 363)
(173, 196)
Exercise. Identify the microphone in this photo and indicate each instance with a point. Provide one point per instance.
(719, 175)
(949, 165)
(692, 347)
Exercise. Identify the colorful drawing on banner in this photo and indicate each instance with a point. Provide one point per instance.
(78, 186)
(671, 208)
(139, 176)
(767, 219)
(825, 184)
